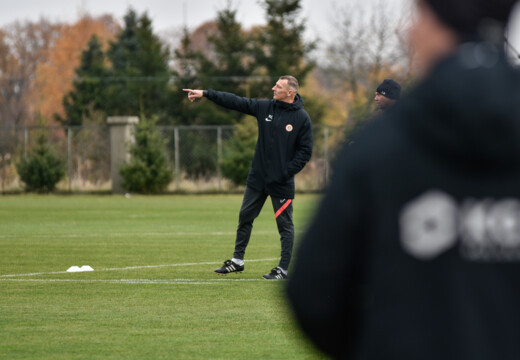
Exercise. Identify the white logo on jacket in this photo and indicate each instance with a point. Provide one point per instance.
(489, 229)
(269, 118)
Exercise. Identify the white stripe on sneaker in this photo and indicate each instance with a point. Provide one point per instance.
(231, 268)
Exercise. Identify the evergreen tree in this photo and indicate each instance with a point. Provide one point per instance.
(89, 88)
(226, 68)
(139, 69)
(231, 64)
(43, 168)
(186, 77)
(238, 157)
(136, 83)
(231, 67)
(279, 47)
(148, 171)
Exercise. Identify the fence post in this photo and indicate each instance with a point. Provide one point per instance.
(69, 157)
(326, 155)
(219, 156)
(121, 137)
(177, 158)
(25, 140)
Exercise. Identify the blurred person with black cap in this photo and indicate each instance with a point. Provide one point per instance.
(414, 252)
(387, 93)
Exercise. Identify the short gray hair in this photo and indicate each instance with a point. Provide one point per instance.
(292, 82)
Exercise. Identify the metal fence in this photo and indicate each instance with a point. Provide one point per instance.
(194, 154)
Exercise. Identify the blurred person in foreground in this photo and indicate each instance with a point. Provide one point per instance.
(387, 93)
(283, 148)
(414, 252)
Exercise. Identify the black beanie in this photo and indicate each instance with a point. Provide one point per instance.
(390, 89)
(466, 16)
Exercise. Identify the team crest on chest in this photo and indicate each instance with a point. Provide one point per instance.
(289, 128)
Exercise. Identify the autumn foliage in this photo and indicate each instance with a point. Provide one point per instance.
(54, 77)
(40, 65)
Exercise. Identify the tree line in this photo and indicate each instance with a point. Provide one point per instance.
(80, 73)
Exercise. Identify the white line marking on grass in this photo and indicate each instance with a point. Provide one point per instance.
(129, 268)
(33, 274)
(140, 281)
(108, 235)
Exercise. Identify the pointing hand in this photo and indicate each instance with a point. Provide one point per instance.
(193, 94)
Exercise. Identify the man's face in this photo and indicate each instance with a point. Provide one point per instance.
(382, 101)
(281, 91)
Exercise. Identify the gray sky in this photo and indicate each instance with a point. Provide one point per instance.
(168, 14)
(165, 14)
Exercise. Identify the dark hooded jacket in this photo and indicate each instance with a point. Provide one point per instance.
(284, 142)
(414, 252)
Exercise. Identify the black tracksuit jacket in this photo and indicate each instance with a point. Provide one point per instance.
(414, 252)
(284, 142)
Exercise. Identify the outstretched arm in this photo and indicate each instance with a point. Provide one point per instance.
(225, 99)
(194, 94)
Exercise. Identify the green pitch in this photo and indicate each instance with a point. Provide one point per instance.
(153, 293)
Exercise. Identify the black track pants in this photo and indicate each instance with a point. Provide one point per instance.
(251, 205)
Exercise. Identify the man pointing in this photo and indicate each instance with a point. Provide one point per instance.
(283, 148)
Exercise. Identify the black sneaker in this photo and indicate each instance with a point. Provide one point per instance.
(229, 267)
(275, 274)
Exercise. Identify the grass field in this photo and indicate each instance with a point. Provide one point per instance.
(153, 294)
